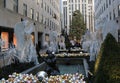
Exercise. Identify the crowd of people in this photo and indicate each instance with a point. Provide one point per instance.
(75, 43)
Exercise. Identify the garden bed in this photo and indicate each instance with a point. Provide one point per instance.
(18, 67)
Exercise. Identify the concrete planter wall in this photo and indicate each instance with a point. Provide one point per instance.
(35, 69)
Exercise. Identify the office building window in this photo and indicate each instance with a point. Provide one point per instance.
(70, 19)
(42, 19)
(106, 3)
(118, 10)
(42, 4)
(109, 2)
(69, 0)
(110, 15)
(69, 7)
(114, 14)
(72, 1)
(79, 6)
(72, 8)
(48, 9)
(48, 22)
(4, 3)
(45, 21)
(32, 13)
(45, 7)
(25, 9)
(37, 16)
(104, 6)
(89, 1)
(50, 12)
(75, 6)
(64, 2)
(46, 37)
(38, 1)
(15, 5)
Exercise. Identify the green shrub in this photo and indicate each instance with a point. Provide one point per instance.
(107, 66)
(19, 67)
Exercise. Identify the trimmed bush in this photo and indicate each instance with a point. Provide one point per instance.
(19, 67)
(107, 65)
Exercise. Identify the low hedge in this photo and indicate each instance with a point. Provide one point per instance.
(107, 65)
(19, 67)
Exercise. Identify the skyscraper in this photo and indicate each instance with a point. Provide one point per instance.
(107, 13)
(45, 14)
(86, 7)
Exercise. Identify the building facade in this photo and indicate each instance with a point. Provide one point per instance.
(86, 7)
(44, 13)
(107, 13)
(65, 14)
(51, 19)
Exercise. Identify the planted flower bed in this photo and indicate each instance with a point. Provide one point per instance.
(29, 78)
(72, 55)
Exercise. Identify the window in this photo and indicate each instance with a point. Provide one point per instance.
(25, 9)
(15, 5)
(106, 3)
(38, 1)
(75, 6)
(64, 2)
(42, 4)
(69, 7)
(110, 15)
(42, 19)
(104, 6)
(48, 9)
(50, 12)
(47, 22)
(46, 37)
(45, 7)
(109, 2)
(4, 3)
(82, 9)
(69, 0)
(89, 1)
(32, 13)
(72, 7)
(114, 14)
(37, 16)
(79, 6)
(70, 18)
(118, 10)
(72, 1)
(76, 1)
(52, 25)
